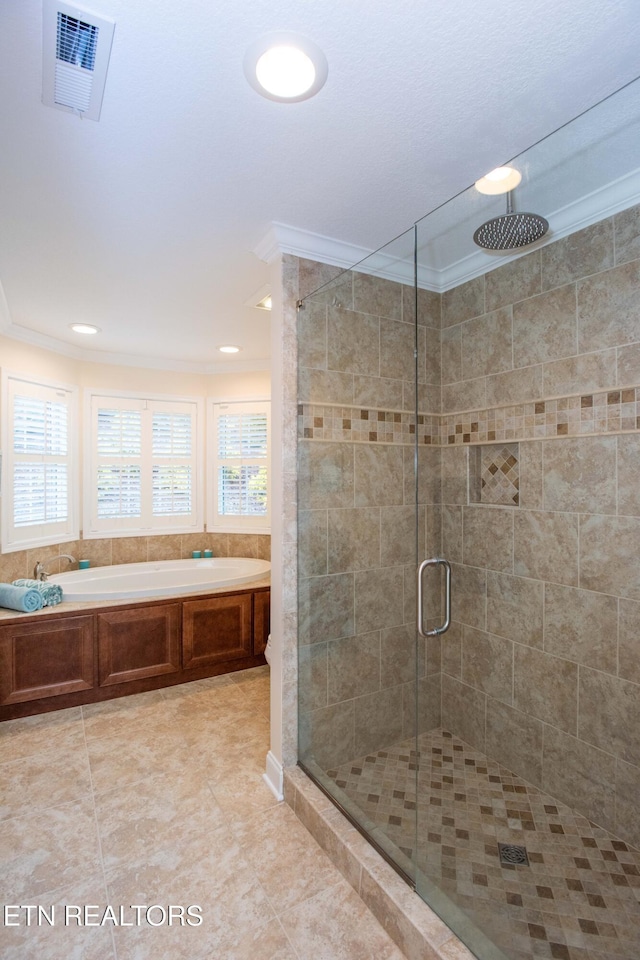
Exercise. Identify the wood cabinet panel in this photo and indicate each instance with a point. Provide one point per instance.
(216, 629)
(46, 659)
(144, 642)
(261, 620)
(58, 660)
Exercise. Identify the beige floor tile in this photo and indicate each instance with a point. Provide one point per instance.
(243, 677)
(126, 716)
(336, 925)
(268, 943)
(44, 779)
(288, 862)
(215, 721)
(243, 796)
(224, 754)
(40, 852)
(28, 735)
(200, 692)
(184, 817)
(123, 761)
(210, 873)
(256, 695)
(155, 813)
(65, 939)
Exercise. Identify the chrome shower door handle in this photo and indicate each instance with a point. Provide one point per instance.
(435, 562)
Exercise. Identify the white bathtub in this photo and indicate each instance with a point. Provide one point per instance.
(158, 578)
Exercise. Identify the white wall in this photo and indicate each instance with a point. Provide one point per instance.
(25, 358)
(19, 357)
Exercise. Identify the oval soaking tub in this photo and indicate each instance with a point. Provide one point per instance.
(158, 578)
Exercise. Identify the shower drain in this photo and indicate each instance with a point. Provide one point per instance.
(512, 853)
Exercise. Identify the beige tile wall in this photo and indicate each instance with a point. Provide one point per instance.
(541, 668)
(356, 515)
(107, 551)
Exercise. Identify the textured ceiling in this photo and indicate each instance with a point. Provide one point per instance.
(144, 222)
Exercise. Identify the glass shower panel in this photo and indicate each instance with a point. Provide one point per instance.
(364, 375)
(529, 771)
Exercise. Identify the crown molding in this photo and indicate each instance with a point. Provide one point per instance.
(5, 316)
(15, 332)
(239, 366)
(281, 238)
(615, 197)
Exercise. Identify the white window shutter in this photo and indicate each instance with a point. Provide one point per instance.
(145, 466)
(39, 476)
(239, 488)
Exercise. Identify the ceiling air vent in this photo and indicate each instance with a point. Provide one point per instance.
(77, 47)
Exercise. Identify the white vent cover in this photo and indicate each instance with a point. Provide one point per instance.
(77, 47)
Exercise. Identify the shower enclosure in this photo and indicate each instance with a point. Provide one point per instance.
(478, 716)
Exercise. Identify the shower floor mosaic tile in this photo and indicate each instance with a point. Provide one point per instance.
(579, 897)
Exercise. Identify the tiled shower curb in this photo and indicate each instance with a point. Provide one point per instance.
(410, 923)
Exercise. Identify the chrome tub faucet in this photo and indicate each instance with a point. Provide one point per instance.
(39, 571)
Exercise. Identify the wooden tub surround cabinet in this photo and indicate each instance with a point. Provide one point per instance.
(61, 658)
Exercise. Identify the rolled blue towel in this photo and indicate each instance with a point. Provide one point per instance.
(51, 593)
(20, 598)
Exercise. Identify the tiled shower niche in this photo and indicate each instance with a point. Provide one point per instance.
(494, 474)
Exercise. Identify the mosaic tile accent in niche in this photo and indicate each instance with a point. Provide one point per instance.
(579, 897)
(495, 475)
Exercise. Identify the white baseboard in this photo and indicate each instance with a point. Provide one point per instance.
(274, 776)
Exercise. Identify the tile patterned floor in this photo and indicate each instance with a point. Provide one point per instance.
(579, 898)
(158, 799)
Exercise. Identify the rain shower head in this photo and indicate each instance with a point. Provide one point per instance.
(511, 230)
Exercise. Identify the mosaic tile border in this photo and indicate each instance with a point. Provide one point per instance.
(364, 425)
(600, 412)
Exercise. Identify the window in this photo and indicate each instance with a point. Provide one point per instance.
(39, 430)
(143, 472)
(239, 494)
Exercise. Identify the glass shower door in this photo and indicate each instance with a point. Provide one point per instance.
(529, 774)
(486, 415)
(362, 527)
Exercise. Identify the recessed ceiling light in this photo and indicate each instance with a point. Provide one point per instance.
(229, 349)
(84, 328)
(285, 67)
(500, 180)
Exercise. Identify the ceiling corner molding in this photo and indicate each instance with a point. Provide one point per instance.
(281, 238)
(267, 249)
(239, 366)
(44, 342)
(605, 202)
(15, 332)
(5, 315)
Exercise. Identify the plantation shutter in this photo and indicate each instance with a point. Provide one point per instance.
(172, 468)
(39, 480)
(118, 440)
(241, 466)
(145, 466)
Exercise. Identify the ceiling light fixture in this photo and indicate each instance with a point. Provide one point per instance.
(500, 180)
(229, 349)
(285, 67)
(84, 328)
(265, 303)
